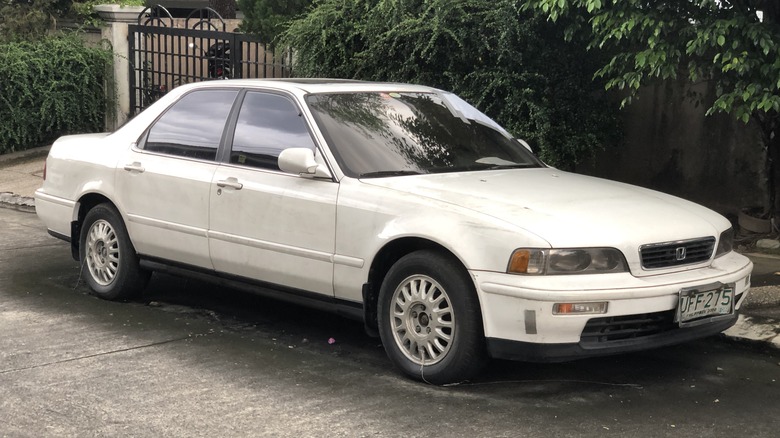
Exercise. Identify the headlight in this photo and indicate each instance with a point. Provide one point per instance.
(533, 261)
(725, 243)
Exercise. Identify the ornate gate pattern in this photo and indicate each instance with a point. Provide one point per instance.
(165, 52)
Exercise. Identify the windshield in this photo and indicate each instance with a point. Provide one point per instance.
(375, 134)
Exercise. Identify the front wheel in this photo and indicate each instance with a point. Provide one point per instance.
(430, 320)
(108, 260)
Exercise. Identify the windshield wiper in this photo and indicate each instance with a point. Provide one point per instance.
(508, 166)
(381, 173)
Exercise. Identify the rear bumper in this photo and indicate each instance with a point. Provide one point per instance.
(55, 212)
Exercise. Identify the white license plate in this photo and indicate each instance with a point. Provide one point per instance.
(697, 303)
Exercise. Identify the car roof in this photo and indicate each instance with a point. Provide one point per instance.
(315, 85)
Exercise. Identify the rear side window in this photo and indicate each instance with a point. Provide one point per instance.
(193, 126)
(267, 125)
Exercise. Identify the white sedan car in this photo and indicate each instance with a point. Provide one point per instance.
(399, 205)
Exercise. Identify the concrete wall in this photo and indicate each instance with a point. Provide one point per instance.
(672, 147)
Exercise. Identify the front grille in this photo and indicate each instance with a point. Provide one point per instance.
(621, 328)
(668, 254)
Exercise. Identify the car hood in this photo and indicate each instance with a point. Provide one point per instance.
(565, 209)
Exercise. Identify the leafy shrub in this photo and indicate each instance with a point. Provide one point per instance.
(515, 66)
(266, 18)
(25, 19)
(50, 87)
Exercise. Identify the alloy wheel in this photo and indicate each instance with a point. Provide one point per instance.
(102, 255)
(423, 322)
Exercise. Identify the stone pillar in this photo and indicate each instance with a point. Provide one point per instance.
(115, 32)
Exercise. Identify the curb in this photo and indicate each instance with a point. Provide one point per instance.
(755, 330)
(16, 202)
(10, 199)
(25, 154)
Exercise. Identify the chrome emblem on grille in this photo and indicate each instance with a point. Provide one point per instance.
(679, 253)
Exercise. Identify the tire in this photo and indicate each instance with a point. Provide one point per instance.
(446, 349)
(109, 263)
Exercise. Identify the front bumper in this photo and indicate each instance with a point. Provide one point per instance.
(534, 352)
(519, 322)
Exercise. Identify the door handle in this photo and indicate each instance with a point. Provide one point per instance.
(230, 182)
(134, 167)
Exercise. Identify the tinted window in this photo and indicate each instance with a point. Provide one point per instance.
(267, 124)
(386, 134)
(193, 126)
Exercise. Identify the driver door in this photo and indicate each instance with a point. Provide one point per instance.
(267, 225)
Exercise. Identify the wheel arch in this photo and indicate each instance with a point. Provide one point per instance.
(385, 258)
(85, 203)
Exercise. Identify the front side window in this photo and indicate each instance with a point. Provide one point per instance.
(267, 125)
(193, 126)
(375, 134)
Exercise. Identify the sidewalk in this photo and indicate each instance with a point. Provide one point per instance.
(21, 173)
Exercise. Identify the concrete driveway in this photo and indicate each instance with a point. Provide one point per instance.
(191, 359)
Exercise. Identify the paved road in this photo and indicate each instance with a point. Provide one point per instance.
(196, 360)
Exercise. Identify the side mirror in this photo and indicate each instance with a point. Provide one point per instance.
(300, 161)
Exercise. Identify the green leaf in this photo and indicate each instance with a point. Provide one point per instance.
(640, 59)
(765, 46)
(721, 40)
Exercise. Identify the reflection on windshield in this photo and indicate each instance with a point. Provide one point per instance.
(389, 134)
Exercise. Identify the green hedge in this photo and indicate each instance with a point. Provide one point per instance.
(50, 87)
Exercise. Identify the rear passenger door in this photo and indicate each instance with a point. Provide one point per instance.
(266, 224)
(163, 184)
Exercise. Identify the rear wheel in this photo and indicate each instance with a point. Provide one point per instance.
(430, 320)
(109, 263)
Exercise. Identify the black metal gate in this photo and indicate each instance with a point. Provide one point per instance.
(165, 52)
